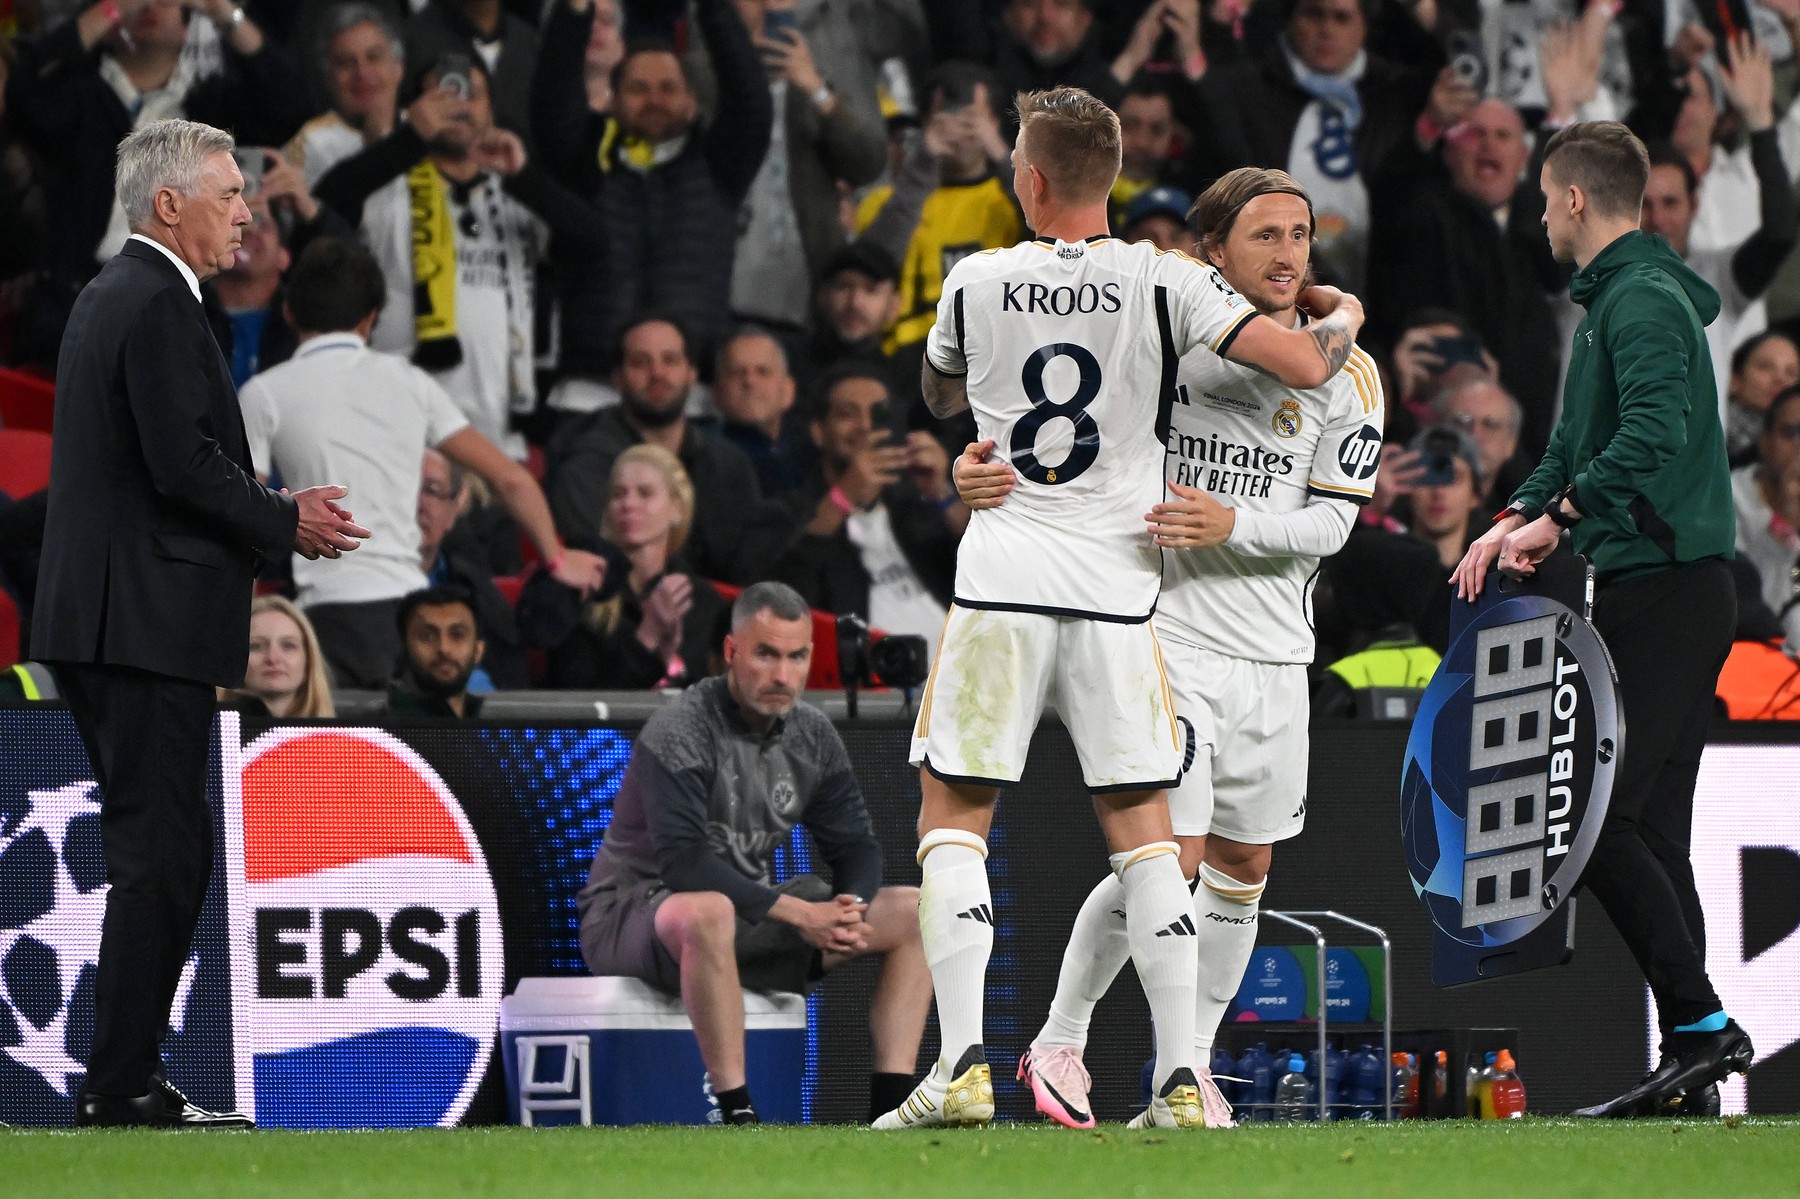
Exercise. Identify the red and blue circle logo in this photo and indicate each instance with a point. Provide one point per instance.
(365, 934)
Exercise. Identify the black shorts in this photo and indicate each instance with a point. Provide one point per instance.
(618, 936)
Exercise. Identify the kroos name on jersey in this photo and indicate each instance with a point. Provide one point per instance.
(1058, 301)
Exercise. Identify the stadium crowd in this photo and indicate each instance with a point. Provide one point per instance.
(595, 304)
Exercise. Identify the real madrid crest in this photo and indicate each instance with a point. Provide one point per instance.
(1286, 421)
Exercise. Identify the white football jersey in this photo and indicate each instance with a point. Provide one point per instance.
(1259, 446)
(1071, 352)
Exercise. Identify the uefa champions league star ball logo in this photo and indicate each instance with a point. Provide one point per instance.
(52, 895)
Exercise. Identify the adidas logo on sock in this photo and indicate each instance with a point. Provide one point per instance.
(1183, 927)
(981, 914)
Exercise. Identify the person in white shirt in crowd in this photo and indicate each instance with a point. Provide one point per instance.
(459, 216)
(1766, 495)
(884, 521)
(339, 409)
(1671, 200)
(363, 63)
(1729, 206)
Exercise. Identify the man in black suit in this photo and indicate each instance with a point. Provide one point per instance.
(155, 525)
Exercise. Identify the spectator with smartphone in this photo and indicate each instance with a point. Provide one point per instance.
(668, 188)
(459, 215)
(1434, 349)
(788, 224)
(884, 521)
(1448, 493)
(504, 43)
(117, 66)
(363, 62)
(971, 207)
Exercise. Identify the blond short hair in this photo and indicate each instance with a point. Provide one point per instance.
(1073, 139)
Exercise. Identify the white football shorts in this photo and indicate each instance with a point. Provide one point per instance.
(1248, 778)
(994, 672)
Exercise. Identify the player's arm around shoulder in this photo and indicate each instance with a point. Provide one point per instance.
(1306, 357)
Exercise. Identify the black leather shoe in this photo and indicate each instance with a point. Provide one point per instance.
(162, 1107)
(1700, 1060)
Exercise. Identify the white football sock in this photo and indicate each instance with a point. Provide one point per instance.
(1225, 913)
(1159, 921)
(1098, 949)
(956, 924)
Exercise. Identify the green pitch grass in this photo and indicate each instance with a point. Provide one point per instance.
(1528, 1159)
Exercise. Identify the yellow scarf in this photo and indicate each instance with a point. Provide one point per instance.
(634, 152)
(434, 270)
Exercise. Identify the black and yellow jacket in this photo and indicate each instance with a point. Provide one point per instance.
(1640, 436)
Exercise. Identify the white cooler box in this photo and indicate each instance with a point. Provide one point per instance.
(618, 1051)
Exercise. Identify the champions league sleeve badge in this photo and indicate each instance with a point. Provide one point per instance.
(1508, 773)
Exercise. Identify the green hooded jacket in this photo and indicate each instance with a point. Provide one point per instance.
(1640, 436)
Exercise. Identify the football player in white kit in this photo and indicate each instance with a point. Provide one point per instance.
(1234, 621)
(1066, 348)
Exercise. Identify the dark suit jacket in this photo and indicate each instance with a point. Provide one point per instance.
(156, 519)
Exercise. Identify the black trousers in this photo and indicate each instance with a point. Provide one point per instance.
(1669, 634)
(147, 737)
(361, 642)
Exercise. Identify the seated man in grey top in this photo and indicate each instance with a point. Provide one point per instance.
(681, 893)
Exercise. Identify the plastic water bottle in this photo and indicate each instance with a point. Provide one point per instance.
(1223, 1066)
(1471, 1085)
(1334, 1079)
(1291, 1093)
(1258, 1066)
(1406, 1086)
(1440, 1085)
(1505, 1096)
(1484, 1088)
(1368, 1082)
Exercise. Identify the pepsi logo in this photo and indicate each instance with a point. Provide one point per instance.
(366, 950)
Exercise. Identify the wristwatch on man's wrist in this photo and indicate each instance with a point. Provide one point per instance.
(1560, 516)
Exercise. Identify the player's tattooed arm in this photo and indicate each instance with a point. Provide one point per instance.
(1335, 342)
(945, 395)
